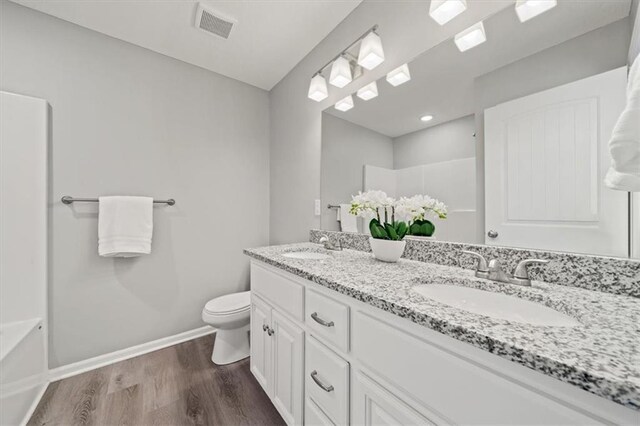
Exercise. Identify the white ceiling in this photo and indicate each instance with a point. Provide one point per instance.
(269, 39)
(442, 79)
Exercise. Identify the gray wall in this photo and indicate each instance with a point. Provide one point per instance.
(296, 120)
(346, 149)
(447, 141)
(593, 53)
(130, 121)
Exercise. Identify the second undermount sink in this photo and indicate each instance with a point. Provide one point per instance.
(495, 305)
(310, 255)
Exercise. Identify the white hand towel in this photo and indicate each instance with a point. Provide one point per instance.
(348, 222)
(125, 226)
(624, 145)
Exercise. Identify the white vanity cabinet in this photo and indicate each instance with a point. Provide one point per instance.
(332, 360)
(277, 351)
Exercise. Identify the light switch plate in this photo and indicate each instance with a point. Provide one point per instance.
(317, 208)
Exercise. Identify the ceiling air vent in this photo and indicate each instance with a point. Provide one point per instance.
(213, 22)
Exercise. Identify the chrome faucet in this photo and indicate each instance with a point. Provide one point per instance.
(493, 270)
(324, 240)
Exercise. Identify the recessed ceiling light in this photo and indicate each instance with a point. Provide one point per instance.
(344, 104)
(318, 88)
(369, 91)
(340, 72)
(527, 9)
(371, 53)
(426, 118)
(442, 11)
(399, 75)
(471, 37)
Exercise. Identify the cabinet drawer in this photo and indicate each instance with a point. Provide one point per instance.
(328, 319)
(443, 381)
(313, 415)
(327, 381)
(278, 289)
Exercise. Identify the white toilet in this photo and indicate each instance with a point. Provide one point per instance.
(229, 314)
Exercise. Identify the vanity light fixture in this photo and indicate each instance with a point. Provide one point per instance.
(527, 9)
(399, 75)
(340, 72)
(442, 11)
(345, 67)
(318, 88)
(426, 118)
(344, 104)
(369, 91)
(471, 37)
(371, 53)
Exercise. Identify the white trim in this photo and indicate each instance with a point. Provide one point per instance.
(34, 404)
(102, 360)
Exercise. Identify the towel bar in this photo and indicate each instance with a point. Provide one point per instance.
(68, 200)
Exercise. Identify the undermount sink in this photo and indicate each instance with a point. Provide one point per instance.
(309, 255)
(495, 305)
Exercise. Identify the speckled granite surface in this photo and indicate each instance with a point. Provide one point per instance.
(607, 274)
(602, 355)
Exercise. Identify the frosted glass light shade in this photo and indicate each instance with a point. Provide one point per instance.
(442, 11)
(527, 9)
(371, 53)
(344, 104)
(318, 88)
(399, 75)
(369, 91)
(471, 37)
(340, 72)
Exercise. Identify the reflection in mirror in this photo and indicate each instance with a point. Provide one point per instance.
(511, 135)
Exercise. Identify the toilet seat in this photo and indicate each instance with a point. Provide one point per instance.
(229, 304)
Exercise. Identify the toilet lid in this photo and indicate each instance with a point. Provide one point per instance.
(229, 303)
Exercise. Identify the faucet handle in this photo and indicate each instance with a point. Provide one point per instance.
(482, 269)
(521, 274)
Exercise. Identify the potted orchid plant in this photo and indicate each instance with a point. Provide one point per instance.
(391, 220)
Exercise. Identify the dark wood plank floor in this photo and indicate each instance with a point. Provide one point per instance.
(178, 385)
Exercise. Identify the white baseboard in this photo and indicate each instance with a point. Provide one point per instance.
(102, 360)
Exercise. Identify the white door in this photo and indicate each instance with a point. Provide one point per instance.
(261, 343)
(545, 158)
(374, 405)
(288, 369)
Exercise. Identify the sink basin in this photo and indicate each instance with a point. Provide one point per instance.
(309, 255)
(495, 305)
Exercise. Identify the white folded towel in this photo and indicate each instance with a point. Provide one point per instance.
(624, 145)
(348, 222)
(125, 226)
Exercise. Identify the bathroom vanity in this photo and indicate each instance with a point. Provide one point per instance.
(340, 338)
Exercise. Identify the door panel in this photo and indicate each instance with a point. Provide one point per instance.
(545, 159)
(374, 405)
(288, 351)
(261, 343)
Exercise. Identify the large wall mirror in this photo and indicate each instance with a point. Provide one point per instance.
(512, 135)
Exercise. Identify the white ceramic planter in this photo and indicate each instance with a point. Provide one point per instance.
(387, 250)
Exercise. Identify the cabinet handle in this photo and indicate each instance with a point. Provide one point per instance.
(265, 327)
(270, 331)
(320, 321)
(492, 234)
(314, 376)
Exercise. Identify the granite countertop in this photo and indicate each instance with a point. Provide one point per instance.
(601, 355)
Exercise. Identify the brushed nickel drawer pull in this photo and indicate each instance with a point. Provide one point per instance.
(265, 327)
(270, 331)
(320, 321)
(324, 387)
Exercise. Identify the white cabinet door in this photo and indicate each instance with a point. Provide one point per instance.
(374, 405)
(261, 343)
(545, 159)
(288, 369)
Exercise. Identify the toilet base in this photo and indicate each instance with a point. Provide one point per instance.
(230, 346)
